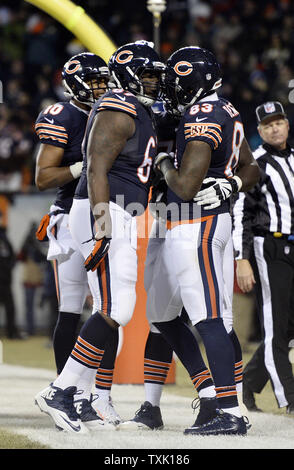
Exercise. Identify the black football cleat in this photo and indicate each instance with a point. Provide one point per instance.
(223, 424)
(207, 409)
(147, 417)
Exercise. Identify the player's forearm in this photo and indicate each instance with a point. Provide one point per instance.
(98, 191)
(178, 182)
(53, 177)
(249, 176)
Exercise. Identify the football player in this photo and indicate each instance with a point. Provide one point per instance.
(158, 352)
(60, 128)
(119, 147)
(189, 270)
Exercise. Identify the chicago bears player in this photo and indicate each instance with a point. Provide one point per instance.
(119, 148)
(60, 128)
(158, 352)
(210, 140)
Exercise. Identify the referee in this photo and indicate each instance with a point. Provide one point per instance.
(263, 236)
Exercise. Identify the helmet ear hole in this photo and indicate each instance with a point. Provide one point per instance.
(192, 73)
(129, 63)
(75, 73)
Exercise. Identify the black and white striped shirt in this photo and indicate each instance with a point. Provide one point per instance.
(269, 206)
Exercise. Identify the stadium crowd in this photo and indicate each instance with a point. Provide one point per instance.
(252, 40)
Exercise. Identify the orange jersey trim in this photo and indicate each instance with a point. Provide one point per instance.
(125, 103)
(50, 126)
(207, 268)
(118, 106)
(43, 136)
(170, 225)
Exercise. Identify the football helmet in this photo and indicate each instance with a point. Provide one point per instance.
(128, 65)
(191, 74)
(78, 70)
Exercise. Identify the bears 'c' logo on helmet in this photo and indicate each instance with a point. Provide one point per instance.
(72, 66)
(123, 60)
(183, 68)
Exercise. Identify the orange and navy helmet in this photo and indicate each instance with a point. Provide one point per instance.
(80, 69)
(191, 74)
(128, 64)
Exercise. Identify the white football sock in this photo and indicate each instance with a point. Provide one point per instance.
(153, 393)
(208, 392)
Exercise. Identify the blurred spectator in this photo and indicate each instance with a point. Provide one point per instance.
(16, 146)
(32, 275)
(7, 263)
(253, 41)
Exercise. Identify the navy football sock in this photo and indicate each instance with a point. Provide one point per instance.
(221, 358)
(184, 344)
(105, 371)
(157, 348)
(238, 358)
(64, 337)
(96, 331)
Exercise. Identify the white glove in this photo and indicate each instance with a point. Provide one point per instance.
(219, 190)
(160, 157)
(76, 169)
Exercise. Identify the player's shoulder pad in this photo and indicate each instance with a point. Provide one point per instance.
(226, 110)
(201, 122)
(118, 99)
(53, 123)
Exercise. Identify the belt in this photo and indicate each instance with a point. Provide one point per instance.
(288, 237)
(280, 235)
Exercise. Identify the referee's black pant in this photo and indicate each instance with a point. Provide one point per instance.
(274, 274)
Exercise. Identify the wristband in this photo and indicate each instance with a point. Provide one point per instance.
(76, 169)
(236, 183)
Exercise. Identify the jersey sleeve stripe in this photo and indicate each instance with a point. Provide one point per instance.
(217, 135)
(126, 103)
(50, 126)
(212, 138)
(117, 106)
(198, 132)
(51, 132)
(43, 136)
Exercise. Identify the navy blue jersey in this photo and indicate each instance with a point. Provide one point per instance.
(219, 124)
(63, 125)
(130, 176)
(166, 127)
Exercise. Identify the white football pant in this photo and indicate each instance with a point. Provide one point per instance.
(70, 274)
(182, 271)
(113, 284)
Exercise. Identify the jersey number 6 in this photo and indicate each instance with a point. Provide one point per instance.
(143, 170)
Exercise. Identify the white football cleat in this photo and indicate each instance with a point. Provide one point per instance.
(58, 404)
(89, 416)
(105, 409)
